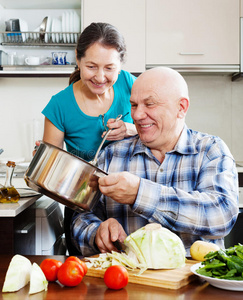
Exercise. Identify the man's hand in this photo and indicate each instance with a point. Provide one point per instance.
(121, 187)
(108, 232)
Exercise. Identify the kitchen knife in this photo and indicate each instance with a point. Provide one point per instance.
(120, 246)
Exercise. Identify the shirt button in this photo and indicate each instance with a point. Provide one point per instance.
(161, 170)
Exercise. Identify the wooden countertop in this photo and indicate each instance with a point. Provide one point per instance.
(94, 288)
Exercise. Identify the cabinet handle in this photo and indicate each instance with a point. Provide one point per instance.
(190, 53)
(26, 229)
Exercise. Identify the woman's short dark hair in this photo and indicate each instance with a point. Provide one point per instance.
(103, 33)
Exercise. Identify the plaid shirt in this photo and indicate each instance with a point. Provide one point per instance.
(194, 192)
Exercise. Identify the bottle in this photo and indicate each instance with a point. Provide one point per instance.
(8, 193)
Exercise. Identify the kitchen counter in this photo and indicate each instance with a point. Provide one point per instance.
(94, 288)
(13, 209)
(17, 225)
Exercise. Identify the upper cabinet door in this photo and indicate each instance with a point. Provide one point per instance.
(192, 32)
(129, 17)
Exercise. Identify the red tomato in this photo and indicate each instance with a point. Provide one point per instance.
(116, 277)
(82, 263)
(70, 273)
(50, 268)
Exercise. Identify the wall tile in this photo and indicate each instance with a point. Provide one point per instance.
(216, 107)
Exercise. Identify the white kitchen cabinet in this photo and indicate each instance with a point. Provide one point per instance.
(129, 17)
(200, 33)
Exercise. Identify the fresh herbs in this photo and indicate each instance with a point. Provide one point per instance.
(224, 264)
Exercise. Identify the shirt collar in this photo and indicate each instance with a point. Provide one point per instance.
(185, 144)
(139, 147)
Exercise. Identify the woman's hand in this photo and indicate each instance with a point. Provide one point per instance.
(37, 144)
(120, 130)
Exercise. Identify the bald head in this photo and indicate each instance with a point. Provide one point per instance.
(159, 103)
(164, 80)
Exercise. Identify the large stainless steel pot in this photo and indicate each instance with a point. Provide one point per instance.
(64, 177)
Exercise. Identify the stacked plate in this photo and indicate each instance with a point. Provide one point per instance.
(48, 29)
(63, 29)
(70, 26)
(23, 28)
(56, 28)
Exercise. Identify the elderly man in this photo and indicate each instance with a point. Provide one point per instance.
(183, 179)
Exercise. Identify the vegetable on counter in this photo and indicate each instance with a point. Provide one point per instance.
(150, 247)
(50, 267)
(82, 263)
(20, 272)
(38, 282)
(156, 247)
(199, 249)
(70, 273)
(106, 260)
(224, 264)
(116, 277)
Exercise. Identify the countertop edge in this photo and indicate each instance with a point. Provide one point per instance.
(13, 209)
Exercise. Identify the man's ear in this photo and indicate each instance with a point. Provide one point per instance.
(183, 107)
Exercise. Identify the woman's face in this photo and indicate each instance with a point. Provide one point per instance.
(99, 68)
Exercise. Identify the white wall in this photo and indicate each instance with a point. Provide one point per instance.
(21, 103)
(216, 107)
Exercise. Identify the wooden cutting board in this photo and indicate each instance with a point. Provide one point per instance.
(169, 279)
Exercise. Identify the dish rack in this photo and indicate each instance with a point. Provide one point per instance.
(33, 38)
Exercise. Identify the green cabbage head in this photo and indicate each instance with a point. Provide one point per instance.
(156, 247)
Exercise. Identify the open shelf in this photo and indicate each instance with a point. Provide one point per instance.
(32, 38)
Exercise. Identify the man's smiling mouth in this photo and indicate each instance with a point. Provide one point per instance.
(145, 125)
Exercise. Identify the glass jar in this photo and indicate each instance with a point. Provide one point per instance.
(8, 193)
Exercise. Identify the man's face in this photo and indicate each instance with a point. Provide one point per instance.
(155, 111)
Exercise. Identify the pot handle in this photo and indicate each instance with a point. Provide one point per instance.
(99, 174)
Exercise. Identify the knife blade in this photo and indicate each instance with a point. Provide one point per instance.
(120, 246)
